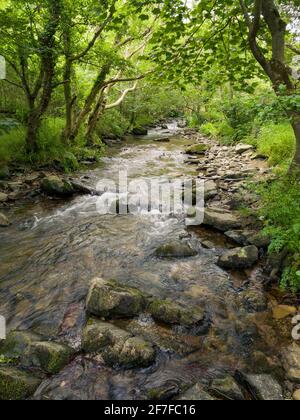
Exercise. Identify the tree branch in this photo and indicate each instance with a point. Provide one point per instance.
(13, 83)
(294, 49)
(122, 97)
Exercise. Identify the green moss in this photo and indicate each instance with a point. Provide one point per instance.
(51, 357)
(171, 313)
(16, 384)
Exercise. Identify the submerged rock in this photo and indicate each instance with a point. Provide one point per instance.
(291, 359)
(226, 388)
(16, 384)
(176, 250)
(197, 149)
(171, 313)
(117, 346)
(30, 350)
(108, 299)
(4, 222)
(262, 387)
(54, 185)
(255, 299)
(221, 219)
(239, 258)
(196, 393)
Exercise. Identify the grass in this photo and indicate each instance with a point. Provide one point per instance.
(280, 208)
(277, 142)
(51, 151)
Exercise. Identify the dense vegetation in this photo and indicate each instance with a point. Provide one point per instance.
(81, 71)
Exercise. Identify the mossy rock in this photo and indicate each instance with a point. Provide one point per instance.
(55, 186)
(116, 346)
(226, 388)
(4, 222)
(133, 353)
(239, 257)
(97, 335)
(30, 350)
(196, 393)
(109, 299)
(173, 314)
(16, 384)
(50, 357)
(197, 149)
(175, 250)
(17, 344)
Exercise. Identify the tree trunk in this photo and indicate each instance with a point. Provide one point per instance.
(33, 124)
(93, 120)
(296, 127)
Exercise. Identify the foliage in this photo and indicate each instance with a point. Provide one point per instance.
(280, 208)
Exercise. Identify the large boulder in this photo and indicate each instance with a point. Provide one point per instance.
(262, 387)
(171, 313)
(117, 346)
(109, 299)
(226, 388)
(196, 393)
(175, 250)
(239, 257)
(221, 219)
(291, 359)
(30, 350)
(4, 222)
(16, 384)
(56, 186)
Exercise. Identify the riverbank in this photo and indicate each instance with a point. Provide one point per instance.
(240, 347)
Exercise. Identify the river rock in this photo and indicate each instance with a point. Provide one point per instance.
(221, 219)
(30, 350)
(242, 148)
(171, 313)
(49, 356)
(4, 221)
(236, 236)
(117, 346)
(176, 250)
(56, 186)
(197, 149)
(4, 173)
(16, 384)
(262, 387)
(210, 190)
(226, 388)
(196, 393)
(255, 299)
(296, 395)
(139, 131)
(109, 299)
(83, 189)
(97, 335)
(134, 352)
(283, 311)
(239, 258)
(3, 197)
(291, 359)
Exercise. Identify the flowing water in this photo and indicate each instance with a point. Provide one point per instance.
(54, 249)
